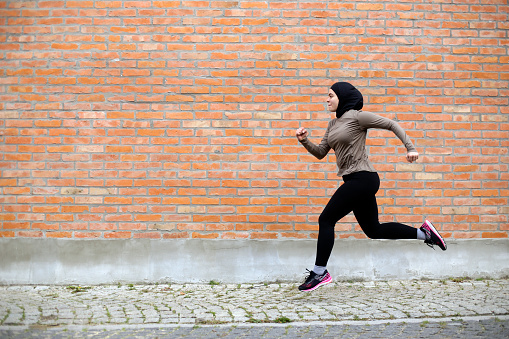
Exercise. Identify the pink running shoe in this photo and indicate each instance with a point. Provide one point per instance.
(313, 281)
(432, 236)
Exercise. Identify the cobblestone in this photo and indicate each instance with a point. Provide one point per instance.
(230, 306)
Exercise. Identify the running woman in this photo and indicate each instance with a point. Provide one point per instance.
(346, 135)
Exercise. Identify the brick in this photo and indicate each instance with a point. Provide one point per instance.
(117, 235)
(183, 118)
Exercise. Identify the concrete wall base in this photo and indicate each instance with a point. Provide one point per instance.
(65, 261)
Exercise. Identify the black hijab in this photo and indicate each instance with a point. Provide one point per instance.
(349, 98)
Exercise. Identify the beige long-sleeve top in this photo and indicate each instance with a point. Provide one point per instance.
(347, 137)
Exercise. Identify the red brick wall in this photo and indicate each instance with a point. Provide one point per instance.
(176, 119)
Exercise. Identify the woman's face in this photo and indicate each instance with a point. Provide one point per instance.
(332, 101)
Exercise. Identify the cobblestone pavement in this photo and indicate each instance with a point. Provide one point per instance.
(272, 310)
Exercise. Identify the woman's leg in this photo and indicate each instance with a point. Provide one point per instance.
(367, 217)
(357, 194)
(339, 205)
(366, 213)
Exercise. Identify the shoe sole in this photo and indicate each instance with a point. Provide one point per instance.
(322, 283)
(434, 230)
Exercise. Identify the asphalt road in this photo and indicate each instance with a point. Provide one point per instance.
(492, 328)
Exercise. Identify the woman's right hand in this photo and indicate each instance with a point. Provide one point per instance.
(301, 133)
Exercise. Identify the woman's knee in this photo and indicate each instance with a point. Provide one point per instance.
(325, 222)
(372, 231)
(373, 234)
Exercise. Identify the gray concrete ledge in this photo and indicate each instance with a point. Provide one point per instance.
(66, 261)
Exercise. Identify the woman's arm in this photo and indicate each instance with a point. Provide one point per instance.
(319, 151)
(370, 120)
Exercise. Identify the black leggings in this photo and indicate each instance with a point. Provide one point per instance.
(357, 194)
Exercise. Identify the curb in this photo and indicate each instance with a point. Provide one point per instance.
(249, 325)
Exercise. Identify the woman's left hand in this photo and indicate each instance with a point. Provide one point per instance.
(412, 156)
